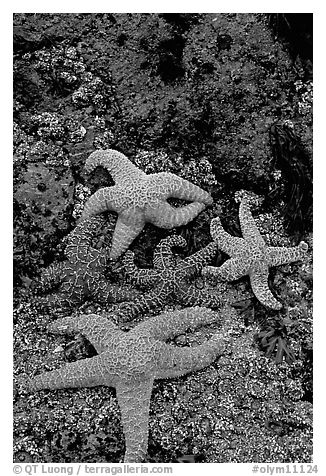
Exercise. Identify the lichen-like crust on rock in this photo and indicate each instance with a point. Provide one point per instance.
(251, 256)
(82, 276)
(131, 361)
(169, 278)
(139, 198)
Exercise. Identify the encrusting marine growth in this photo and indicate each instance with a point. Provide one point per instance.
(169, 279)
(131, 361)
(139, 198)
(82, 275)
(251, 256)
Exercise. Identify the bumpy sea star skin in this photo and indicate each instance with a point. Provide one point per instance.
(250, 255)
(131, 361)
(82, 276)
(139, 198)
(169, 279)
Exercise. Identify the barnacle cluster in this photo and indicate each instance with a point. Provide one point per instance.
(61, 63)
(305, 92)
(92, 92)
(198, 171)
(48, 125)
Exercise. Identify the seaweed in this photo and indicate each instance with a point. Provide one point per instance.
(273, 340)
(294, 161)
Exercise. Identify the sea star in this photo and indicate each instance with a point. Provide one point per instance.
(139, 198)
(169, 279)
(131, 361)
(83, 275)
(250, 255)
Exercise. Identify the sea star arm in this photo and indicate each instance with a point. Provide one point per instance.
(195, 262)
(106, 292)
(105, 199)
(144, 303)
(231, 270)
(170, 324)
(95, 328)
(170, 185)
(83, 373)
(248, 226)
(259, 284)
(134, 401)
(189, 295)
(60, 300)
(163, 256)
(79, 240)
(227, 243)
(176, 361)
(277, 256)
(70, 292)
(119, 166)
(165, 216)
(137, 275)
(128, 226)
